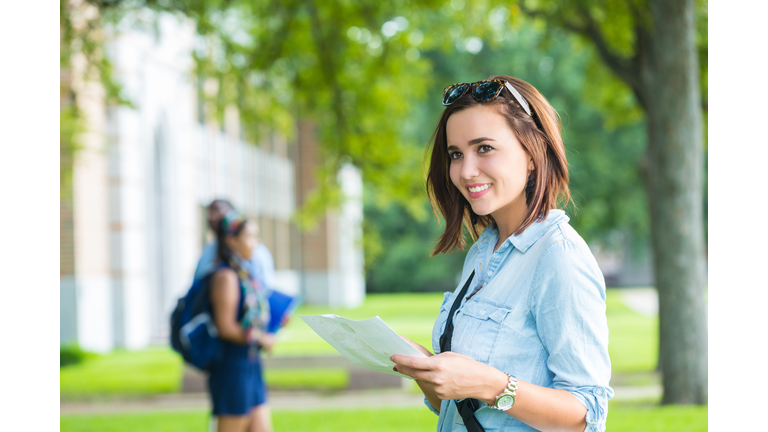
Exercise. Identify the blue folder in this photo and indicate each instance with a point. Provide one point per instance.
(280, 304)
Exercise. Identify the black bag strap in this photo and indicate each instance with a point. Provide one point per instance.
(445, 338)
(466, 407)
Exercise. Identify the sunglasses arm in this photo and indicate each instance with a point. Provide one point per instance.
(520, 99)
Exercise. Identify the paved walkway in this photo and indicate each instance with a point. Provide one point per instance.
(348, 399)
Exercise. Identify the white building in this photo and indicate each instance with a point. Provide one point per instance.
(134, 227)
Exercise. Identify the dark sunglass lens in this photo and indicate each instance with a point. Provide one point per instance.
(454, 93)
(486, 91)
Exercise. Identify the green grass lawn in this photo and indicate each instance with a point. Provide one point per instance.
(632, 338)
(307, 379)
(411, 315)
(125, 373)
(621, 418)
(633, 346)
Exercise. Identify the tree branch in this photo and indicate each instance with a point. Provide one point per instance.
(588, 28)
(621, 66)
(642, 56)
(329, 67)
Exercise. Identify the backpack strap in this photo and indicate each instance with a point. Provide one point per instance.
(445, 338)
(466, 407)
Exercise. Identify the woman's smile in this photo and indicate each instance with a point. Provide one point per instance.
(476, 190)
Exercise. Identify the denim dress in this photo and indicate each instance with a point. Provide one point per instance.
(235, 380)
(540, 317)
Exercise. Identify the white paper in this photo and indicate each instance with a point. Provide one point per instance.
(369, 343)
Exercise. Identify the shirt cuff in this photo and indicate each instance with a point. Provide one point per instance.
(429, 405)
(595, 399)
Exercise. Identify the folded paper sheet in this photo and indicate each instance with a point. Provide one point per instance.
(367, 343)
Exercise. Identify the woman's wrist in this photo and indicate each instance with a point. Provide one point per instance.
(252, 335)
(496, 384)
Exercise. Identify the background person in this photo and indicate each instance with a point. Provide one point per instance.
(262, 265)
(241, 314)
(529, 339)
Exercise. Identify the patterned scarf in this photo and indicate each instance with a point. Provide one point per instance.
(255, 313)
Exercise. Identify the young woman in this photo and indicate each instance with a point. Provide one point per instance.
(241, 313)
(522, 344)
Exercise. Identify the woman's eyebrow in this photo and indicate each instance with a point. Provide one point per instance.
(479, 140)
(472, 142)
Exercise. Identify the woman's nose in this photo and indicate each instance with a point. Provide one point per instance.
(469, 168)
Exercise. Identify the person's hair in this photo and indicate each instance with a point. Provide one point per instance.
(223, 207)
(540, 136)
(221, 203)
(223, 252)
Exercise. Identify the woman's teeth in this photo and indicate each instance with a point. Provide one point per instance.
(480, 188)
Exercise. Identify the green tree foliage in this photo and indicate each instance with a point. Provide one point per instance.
(82, 39)
(406, 266)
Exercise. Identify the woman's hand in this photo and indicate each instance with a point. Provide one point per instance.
(285, 320)
(267, 340)
(454, 376)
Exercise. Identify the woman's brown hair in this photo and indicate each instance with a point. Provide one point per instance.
(540, 136)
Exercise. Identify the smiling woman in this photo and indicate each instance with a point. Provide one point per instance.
(503, 130)
(522, 343)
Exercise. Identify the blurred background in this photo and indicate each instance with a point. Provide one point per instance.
(313, 119)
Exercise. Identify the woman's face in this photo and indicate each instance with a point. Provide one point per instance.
(488, 164)
(244, 242)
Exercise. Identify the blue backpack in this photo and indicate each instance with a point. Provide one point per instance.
(193, 332)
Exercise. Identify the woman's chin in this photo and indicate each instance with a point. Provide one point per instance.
(481, 211)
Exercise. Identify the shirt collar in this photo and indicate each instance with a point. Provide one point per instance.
(528, 237)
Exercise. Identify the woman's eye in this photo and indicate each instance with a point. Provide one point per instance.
(454, 155)
(484, 148)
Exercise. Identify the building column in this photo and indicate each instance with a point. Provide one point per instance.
(330, 255)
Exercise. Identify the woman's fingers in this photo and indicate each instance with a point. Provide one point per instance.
(412, 362)
(418, 374)
(267, 340)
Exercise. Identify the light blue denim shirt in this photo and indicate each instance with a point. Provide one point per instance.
(539, 317)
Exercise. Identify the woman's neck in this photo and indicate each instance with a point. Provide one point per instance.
(508, 220)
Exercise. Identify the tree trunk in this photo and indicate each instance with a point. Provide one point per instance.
(675, 155)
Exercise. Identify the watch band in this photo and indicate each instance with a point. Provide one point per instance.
(506, 399)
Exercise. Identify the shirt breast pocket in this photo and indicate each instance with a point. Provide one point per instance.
(518, 350)
(476, 332)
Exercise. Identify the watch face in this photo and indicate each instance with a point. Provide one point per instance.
(505, 402)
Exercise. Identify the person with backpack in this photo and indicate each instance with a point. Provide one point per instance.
(240, 312)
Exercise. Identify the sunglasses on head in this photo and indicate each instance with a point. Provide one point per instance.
(482, 91)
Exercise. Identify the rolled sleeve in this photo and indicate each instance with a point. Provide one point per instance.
(595, 399)
(567, 301)
(431, 408)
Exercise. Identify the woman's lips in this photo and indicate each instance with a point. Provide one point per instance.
(479, 188)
